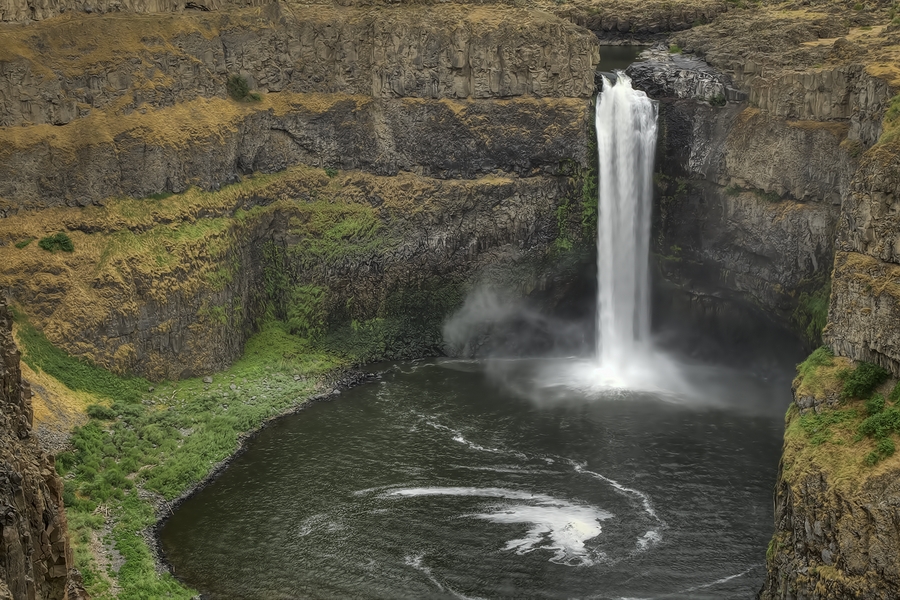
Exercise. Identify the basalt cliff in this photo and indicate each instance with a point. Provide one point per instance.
(174, 176)
(35, 554)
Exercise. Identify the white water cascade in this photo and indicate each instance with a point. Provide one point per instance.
(626, 143)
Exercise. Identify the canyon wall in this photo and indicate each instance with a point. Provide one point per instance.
(865, 304)
(817, 146)
(437, 145)
(748, 200)
(35, 556)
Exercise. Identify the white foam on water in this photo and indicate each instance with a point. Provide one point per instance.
(648, 539)
(555, 525)
(652, 536)
(718, 581)
(416, 562)
(458, 437)
(508, 469)
(318, 523)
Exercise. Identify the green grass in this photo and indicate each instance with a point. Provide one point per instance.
(164, 441)
(891, 121)
(818, 426)
(811, 314)
(21, 244)
(863, 380)
(869, 414)
(332, 232)
(820, 357)
(57, 241)
(75, 373)
(674, 49)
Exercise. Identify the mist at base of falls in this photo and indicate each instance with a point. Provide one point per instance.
(691, 358)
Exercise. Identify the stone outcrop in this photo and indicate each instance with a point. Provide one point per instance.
(207, 143)
(748, 201)
(35, 555)
(17, 11)
(835, 511)
(56, 75)
(481, 111)
(190, 313)
(865, 304)
(664, 74)
(833, 543)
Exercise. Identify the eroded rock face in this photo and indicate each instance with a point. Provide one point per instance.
(54, 74)
(35, 556)
(865, 303)
(13, 11)
(834, 544)
(748, 202)
(444, 139)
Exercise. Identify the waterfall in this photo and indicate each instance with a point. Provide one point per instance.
(626, 141)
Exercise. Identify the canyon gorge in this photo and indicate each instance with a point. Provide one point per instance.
(196, 197)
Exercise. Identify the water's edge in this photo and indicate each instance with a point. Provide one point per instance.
(344, 379)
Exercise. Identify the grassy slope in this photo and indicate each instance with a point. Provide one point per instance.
(162, 442)
(854, 438)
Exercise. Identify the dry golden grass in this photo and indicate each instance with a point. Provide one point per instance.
(835, 128)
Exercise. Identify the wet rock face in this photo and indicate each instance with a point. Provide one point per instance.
(748, 203)
(35, 556)
(865, 303)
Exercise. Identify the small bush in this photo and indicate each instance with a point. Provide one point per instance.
(718, 100)
(858, 6)
(882, 424)
(863, 381)
(237, 87)
(24, 243)
(100, 412)
(58, 241)
(875, 405)
(895, 393)
(811, 314)
(674, 49)
(331, 172)
(767, 196)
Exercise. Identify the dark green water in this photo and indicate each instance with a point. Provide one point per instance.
(618, 57)
(437, 482)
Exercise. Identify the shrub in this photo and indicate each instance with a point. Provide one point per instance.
(24, 243)
(811, 314)
(895, 393)
(58, 241)
(331, 172)
(100, 412)
(863, 381)
(875, 405)
(718, 100)
(674, 48)
(881, 424)
(237, 87)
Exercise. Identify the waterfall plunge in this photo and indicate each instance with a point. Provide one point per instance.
(626, 142)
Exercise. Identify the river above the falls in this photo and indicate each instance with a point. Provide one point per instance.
(438, 482)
